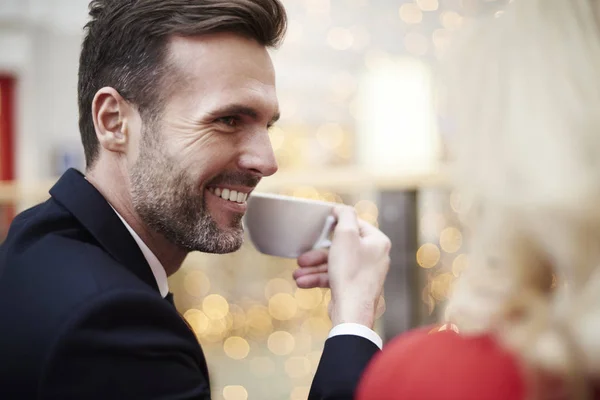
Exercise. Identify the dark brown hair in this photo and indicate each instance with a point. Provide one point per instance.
(125, 46)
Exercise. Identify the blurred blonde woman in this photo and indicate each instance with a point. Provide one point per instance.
(524, 93)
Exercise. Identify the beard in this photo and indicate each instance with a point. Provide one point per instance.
(171, 203)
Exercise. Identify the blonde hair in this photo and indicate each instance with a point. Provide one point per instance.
(523, 94)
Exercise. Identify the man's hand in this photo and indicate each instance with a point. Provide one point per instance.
(354, 268)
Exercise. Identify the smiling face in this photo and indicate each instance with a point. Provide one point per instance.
(209, 147)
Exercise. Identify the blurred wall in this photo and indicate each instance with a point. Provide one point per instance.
(39, 46)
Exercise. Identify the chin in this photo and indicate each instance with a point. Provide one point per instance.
(224, 242)
(230, 247)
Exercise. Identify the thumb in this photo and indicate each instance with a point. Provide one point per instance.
(347, 221)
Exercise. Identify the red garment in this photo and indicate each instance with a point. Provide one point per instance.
(420, 365)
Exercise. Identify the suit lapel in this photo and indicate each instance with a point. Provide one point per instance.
(90, 208)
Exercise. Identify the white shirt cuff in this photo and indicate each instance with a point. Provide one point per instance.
(356, 330)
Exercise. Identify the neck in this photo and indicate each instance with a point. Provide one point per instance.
(112, 181)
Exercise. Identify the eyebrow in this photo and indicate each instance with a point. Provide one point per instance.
(239, 109)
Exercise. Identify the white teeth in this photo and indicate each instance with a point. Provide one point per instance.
(225, 194)
(231, 195)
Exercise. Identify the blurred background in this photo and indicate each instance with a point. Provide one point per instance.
(360, 126)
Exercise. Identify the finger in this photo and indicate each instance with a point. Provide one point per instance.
(347, 221)
(366, 229)
(370, 233)
(310, 270)
(313, 280)
(313, 258)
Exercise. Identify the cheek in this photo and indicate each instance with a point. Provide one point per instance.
(204, 161)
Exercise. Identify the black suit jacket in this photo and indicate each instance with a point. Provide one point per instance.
(81, 316)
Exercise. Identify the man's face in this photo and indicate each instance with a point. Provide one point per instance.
(210, 143)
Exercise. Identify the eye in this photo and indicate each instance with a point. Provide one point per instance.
(231, 121)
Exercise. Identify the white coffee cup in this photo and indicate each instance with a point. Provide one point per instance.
(286, 226)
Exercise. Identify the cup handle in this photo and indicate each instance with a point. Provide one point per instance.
(324, 241)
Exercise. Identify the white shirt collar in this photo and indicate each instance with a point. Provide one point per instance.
(157, 269)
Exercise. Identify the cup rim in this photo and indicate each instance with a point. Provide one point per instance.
(275, 196)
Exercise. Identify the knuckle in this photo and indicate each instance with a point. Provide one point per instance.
(387, 245)
(347, 231)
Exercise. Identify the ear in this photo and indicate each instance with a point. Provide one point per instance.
(111, 115)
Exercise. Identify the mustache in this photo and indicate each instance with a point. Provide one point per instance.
(235, 178)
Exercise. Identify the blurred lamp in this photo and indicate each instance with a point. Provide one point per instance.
(396, 133)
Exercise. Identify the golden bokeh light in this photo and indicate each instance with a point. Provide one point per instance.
(428, 5)
(197, 320)
(196, 284)
(277, 136)
(330, 135)
(236, 347)
(441, 38)
(308, 299)
(303, 343)
(410, 13)
(441, 285)
(258, 322)
(314, 357)
(317, 326)
(367, 207)
(283, 157)
(298, 144)
(451, 20)
(216, 331)
(297, 367)
(300, 393)
(281, 343)
(340, 38)
(428, 255)
(215, 306)
(459, 264)
(235, 392)
(331, 197)
(283, 306)
(262, 366)
(276, 286)
(306, 192)
(345, 151)
(416, 43)
(450, 240)
(238, 317)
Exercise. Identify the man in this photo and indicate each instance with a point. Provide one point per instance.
(175, 98)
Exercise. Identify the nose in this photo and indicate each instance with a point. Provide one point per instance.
(258, 156)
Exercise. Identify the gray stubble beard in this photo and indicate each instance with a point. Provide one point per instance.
(171, 204)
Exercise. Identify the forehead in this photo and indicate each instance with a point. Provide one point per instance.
(220, 68)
